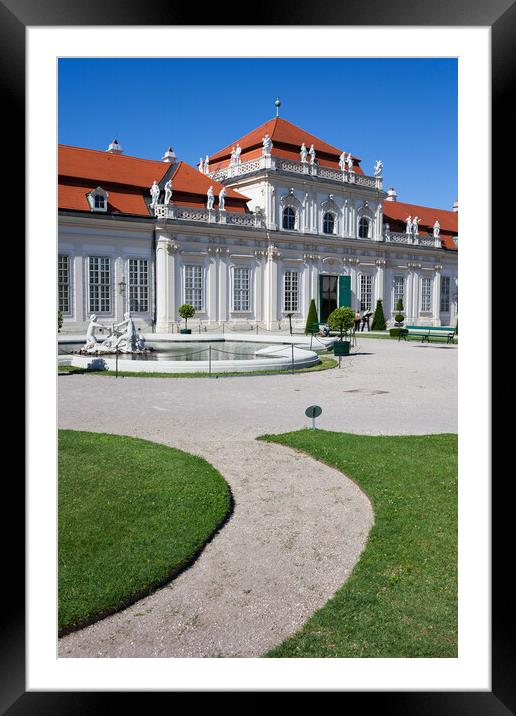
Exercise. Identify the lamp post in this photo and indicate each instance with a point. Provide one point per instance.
(289, 316)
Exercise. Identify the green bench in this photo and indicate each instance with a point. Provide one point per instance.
(426, 332)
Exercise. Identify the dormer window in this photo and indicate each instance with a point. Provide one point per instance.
(98, 199)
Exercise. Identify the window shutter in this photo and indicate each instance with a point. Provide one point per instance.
(345, 291)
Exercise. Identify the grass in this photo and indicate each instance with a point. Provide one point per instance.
(401, 598)
(132, 514)
(325, 364)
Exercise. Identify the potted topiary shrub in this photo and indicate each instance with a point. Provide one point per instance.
(342, 320)
(59, 320)
(186, 311)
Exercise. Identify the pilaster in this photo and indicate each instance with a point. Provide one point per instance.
(436, 302)
(166, 251)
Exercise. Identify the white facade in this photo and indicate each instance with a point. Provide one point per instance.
(254, 269)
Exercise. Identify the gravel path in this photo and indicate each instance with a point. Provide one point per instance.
(298, 526)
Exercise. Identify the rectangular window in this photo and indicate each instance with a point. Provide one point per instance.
(445, 294)
(291, 292)
(193, 286)
(100, 284)
(365, 292)
(241, 295)
(399, 290)
(138, 285)
(63, 283)
(426, 294)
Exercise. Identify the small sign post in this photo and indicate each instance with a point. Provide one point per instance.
(313, 411)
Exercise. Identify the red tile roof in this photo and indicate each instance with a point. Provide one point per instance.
(286, 139)
(396, 212)
(128, 180)
(114, 168)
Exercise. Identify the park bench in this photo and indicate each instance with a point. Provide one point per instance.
(426, 332)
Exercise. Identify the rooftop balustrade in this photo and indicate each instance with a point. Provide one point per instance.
(295, 167)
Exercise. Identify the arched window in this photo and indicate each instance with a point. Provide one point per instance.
(363, 228)
(289, 218)
(328, 223)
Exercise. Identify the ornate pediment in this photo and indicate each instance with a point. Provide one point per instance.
(330, 205)
(290, 199)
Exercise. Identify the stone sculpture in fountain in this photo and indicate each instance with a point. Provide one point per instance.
(123, 338)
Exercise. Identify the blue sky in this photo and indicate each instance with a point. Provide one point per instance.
(402, 111)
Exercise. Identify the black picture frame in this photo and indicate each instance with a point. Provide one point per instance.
(500, 15)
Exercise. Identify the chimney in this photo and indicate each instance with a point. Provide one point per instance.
(391, 194)
(455, 205)
(115, 148)
(169, 157)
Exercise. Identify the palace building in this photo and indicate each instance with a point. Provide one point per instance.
(248, 237)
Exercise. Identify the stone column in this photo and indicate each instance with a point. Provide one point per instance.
(166, 250)
(260, 286)
(355, 298)
(79, 295)
(415, 297)
(436, 302)
(379, 282)
(211, 289)
(224, 297)
(271, 287)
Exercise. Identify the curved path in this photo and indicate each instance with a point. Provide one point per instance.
(298, 525)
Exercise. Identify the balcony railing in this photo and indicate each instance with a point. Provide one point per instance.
(295, 167)
(208, 216)
(395, 237)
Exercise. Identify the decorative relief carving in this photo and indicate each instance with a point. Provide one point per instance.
(273, 252)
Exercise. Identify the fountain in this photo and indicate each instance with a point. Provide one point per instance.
(122, 338)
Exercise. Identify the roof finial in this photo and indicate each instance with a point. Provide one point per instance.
(278, 105)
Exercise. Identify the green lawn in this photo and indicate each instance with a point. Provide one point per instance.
(401, 598)
(326, 362)
(132, 513)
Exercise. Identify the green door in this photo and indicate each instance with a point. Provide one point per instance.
(345, 291)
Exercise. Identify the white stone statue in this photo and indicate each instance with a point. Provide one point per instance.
(91, 339)
(222, 198)
(238, 152)
(303, 153)
(124, 341)
(168, 192)
(349, 162)
(342, 162)
(155, 192)
(201, 165)
(437, 229)
(378, 168)
(408, 222)
(415, 226)
(311, 152)
(233, 157)
(206, 165)
(128, 341)
(211, 198)
(267, 146)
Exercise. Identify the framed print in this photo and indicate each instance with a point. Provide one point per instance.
(183, 248)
